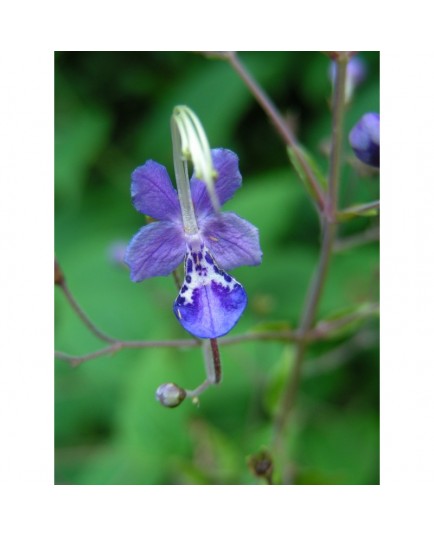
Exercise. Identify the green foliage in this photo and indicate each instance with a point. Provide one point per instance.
(112, 114)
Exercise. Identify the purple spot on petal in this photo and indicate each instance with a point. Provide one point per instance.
(194, 257)
(213, 311)
(188, 278)
(221, 290)
(227, 277)
(184, 289)
(189, 266)
(208, 258)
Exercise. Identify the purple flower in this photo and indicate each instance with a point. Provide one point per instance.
(356, 71)
(210, 301)
(116, 252)
(365, 139)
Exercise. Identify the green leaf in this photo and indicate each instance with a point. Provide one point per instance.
(295, 161)
(367, 210)
(347, 320)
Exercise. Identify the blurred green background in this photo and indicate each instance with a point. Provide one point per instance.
(112, 113)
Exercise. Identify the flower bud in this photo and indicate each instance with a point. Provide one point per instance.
(356, 73)
(170, 395)
(365, 139)
(59, 278)
(261, 465)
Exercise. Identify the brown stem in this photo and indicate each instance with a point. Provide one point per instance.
(279, 123)
(340, 355)
(370, 235)
(315, 289)
(121, 345)
(82, 315)
(319, 332)
(337, 134)
(309, 311)
(216, 360)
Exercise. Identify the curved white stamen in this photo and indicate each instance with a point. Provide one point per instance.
(191, 143)
(182, 180)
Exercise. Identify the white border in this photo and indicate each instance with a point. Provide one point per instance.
(31, 502)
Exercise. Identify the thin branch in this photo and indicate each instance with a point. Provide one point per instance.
(317, 284)
(121, 345)
(309, 312)
(76, 360)
(277, 120)
(366, 237)
(284, 335)
(337, 134)
(340, 355)
(322, 330)
(82, 315)
(366, 209)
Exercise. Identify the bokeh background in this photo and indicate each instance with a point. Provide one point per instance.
(112, 113)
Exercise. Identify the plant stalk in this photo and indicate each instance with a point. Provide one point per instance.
(317, 284)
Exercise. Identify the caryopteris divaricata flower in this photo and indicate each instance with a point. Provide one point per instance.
(210, 301)
(365, 139)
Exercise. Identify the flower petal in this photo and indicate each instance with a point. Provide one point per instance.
(227, 183)
(233, 241)
(210, 301)
(156, 249)
(365, 139)
(152, 192)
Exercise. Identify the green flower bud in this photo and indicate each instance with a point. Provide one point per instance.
(170, 395)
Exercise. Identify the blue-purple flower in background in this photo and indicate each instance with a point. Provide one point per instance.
(356, 73)
(365, 139)
(210, 301)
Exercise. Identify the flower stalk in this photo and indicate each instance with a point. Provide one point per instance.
(172, 395)
(280, 125)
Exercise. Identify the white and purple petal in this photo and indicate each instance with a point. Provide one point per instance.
(232, 241)
(227, 183)
(152, 192)
(210, 302)
(157, 249)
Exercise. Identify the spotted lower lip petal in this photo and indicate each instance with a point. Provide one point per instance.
(210, 301)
